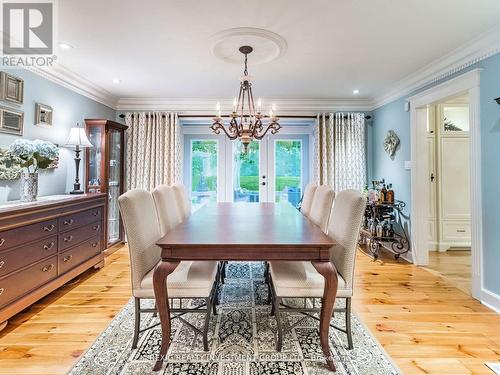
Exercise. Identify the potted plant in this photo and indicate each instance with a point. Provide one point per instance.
(34, 155)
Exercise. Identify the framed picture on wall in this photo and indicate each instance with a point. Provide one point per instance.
(11, 88)
(11, 121)
(43, 115)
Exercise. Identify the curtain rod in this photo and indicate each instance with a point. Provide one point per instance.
(367, 117)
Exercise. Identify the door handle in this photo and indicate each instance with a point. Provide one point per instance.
(432, 177)
(263, 183)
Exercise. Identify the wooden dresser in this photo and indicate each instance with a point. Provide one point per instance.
(45, 244)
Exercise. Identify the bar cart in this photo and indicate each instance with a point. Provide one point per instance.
(383, 227)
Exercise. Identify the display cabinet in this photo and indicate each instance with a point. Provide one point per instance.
(105, 170)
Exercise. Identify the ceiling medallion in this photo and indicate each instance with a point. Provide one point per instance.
(267, 45)
(246, 122)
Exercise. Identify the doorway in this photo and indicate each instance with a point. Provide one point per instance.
(423, 107)
(449, 216)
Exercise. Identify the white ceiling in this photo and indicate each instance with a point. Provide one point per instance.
(161, 48)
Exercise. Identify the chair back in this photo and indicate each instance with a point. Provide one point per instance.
(183, 201)
(321, 206)
(166, 208)
(345, 222)
(305, 207)
(143, 230)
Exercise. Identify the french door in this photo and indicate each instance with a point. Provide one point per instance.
(275, 169)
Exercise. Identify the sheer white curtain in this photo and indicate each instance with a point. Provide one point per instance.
(340, 151)
(153, 149)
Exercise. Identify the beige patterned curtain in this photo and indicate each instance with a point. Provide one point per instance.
(153, 149)
(340, 151)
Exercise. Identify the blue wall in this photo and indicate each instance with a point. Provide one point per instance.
(393, 116)
(69, 108)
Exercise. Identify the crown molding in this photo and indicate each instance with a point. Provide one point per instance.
(71, 80)
(187, 106)
(480, 48)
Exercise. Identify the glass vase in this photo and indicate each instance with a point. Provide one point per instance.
(29, 186)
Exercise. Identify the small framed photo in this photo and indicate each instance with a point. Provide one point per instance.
(43, 115)
(11, 88)
(11, 121)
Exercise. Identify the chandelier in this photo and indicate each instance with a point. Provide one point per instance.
(246, 122)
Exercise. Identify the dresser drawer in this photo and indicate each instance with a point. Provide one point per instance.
(79, 254)
(456, 230)
(20, 283)
(24, 255)
(79, 219)
(28, 233)
(74, 237)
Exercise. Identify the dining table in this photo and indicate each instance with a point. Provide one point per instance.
(246, 232)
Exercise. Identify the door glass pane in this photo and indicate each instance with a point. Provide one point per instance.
(114, 185)
(288, 171)
(203, 172)
(456, 118)
(95, 155)
(246, 173)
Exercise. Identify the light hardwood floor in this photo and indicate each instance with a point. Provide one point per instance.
(424, 323)
(454, 266)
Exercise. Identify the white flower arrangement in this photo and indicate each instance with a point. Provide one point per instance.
(37, 154)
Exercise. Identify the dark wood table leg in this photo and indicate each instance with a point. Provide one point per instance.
(328, 271)
(161, 296)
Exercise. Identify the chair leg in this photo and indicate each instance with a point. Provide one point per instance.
(276, 307)
(223, 272)
(207, 323)
(348, 323)
(214, 298)
(155, 314)
(137, 321)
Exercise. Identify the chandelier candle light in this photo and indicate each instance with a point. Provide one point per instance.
(246, 122)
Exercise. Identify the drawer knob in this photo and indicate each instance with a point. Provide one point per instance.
(68, 222)
(49, 246)
(96, 213)
(460, 230)
(68, 258)
(1, 291)
(96, 227)
(48, 268)
(49, 228)
(95, 244)
(2, 263)
(68, 239)
(2, 241)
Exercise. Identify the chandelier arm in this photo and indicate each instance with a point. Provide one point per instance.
(274, 127)
(216, 128)
(242, 115)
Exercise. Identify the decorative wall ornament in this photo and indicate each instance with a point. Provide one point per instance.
(43, 115)
(11, 121)
(391, 143)
(10, 167)
(11, 88)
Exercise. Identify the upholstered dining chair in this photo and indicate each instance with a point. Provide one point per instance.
(321, 206)
(166, 208)
(183, 201)
(301, 280)
(189, 280)
(305, 207)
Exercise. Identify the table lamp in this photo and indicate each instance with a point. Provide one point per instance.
(78, 139)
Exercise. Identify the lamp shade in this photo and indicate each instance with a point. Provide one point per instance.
(78, 137)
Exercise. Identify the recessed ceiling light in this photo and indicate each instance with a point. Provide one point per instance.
(66, 46)
(355, 92)
(116, 81)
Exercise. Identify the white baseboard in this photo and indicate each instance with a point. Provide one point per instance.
(490, 300)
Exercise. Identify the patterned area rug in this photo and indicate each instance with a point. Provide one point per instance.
(242, 340)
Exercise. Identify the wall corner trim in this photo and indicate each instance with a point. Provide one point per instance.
(490, 299)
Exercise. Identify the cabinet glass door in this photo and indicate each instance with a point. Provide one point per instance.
(114, 184)
(95, 159)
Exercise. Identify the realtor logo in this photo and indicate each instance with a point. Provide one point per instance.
(27, 28)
